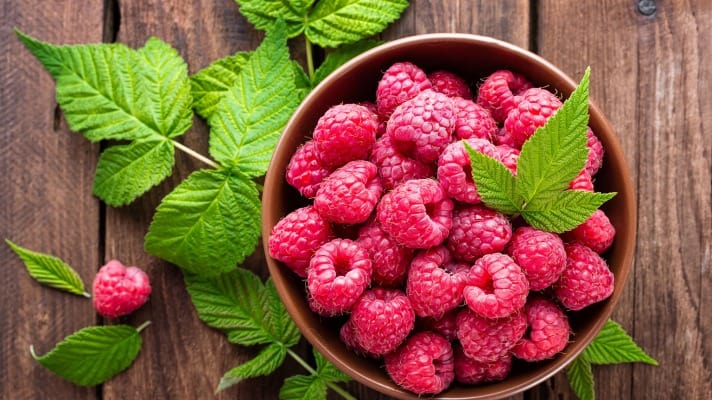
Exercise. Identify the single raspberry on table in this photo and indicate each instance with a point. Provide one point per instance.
(395, 168)
(435, 282)
(534, 108)
(597, 232)
(338, 274)
(471, 372)
(445, 325)
(508, 156)
(583, 182)
(346, 132)
(586, 279)
(390, 259)
(449, 84)
(296, 237)
(416, 213)
(476, 231)
(487, 340)
(349, 194)
(595, 152)
(496, 286)
(119, 290)
(540, 254)
(548, 331)
(423, 365)
(455, 171)
(497, 93)
(401, 82)
(473, 121)
(305, 171)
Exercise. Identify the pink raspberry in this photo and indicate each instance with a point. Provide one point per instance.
(487, 340)
(381, 320)
(473, 121)
(586, 279)
(536, 106)
(445, 325)
(395, 168)
(582, 182)
(417, 213)
(496, 286)
(449, 84)
(455, 172)
(476, 231)
(508, 156)
(471, 372)
(347, 334)
(372, 107)
(596, 232)
(423, 365)
(595, 153)
(305, 171)
(423, 125)
(435, 282)
(503, 137)
(120, 290)
(296, 237)
(346, 132)
(349, 194)
(540, 254)
(401, 82)
(497, 93)
(338, 274)
(548, 332)
(390, 260)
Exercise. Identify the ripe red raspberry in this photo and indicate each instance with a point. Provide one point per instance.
(423, 365)
(476, 231)
(503, 137)
(390, 260)
(381, 320)
(548, 332)
(401, 82)
(536, 106)
(305, 171)
(120, 290)
(496, 286)
(471, 372)
(435, 282)
(296, 237)
(347, 334)
(508, 156)
(346, 132)
(586, 279)
(595, 153)
(473, 121)
(338, 274)
(582, 182)
(497, 93)
(372, 107)
(422, 126)
(395, 168)
(449, 84)
(487, 340)
(349, 194)
(445, 325)
(596, 232)
(540, 254)
(417, 213)
(455, 172)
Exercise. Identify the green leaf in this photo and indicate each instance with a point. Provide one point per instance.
(564, 211)
(301, 80)
(249, 119)
(266, 362)
(580, 377)
(92, 355)
(339, 56)
(328, 371)
(127, 171)
(302, 387)
(332, 23)
(614, 346)
(208, 224)
(264, 14)
(210, 84)
(50, 270)
(495, 183)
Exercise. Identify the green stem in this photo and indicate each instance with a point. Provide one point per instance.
(195, 154)
(310, 58)
(143, 326)
(336, 388)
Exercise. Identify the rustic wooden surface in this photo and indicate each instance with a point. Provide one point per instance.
(652, 64)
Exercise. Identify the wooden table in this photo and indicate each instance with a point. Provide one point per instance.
(652, 65)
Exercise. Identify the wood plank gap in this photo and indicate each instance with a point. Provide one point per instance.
(112, 21)
(534, 26)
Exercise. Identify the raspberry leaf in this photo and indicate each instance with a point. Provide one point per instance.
(266, 362)
(303, 387)
(564, 212)
(338, 57)
(49, 270)
(495, 183)
(209, 85)
(580, 377)
(264, 14)
(614, 346)
(328, 371)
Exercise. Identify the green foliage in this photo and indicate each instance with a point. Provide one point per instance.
(303, 387)
(266, 362)
(580, 377)
(338, 57)
(614, 346)
(210, 84)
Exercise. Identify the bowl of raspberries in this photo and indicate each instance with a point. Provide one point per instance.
(390, 261)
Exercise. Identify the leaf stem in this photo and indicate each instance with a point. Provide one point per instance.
(336, 388)
(195, 154)
(87, 295)
(310, 58)
(143, 326)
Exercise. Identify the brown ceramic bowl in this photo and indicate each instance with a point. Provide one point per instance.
(472, 57)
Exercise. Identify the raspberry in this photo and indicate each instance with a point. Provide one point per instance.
(595, 153)
(455, 172)
(346, 132)
(548, 331)
(508, 156)
(372, 107)
(390, 260)
(503, 137)
(532, 111)
(596, 232)
(435, 283)
(120, 290)
(540, 254)
(347, 334)
(487, 340)
(496, 286)
(350, 193)
(305, 171)
(471, 372)
(417, 214)
(497, 93)
(382, 319)
(423, 365)
(471, 120)
(296, 237)
(445, 325)
(582, 182)
(338, 274)
(586, 279)
(449, 84)
(401, 82)
(476, 231)
(423, 125)
(395, 168)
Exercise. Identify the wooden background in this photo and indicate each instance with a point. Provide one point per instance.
(653, 79)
